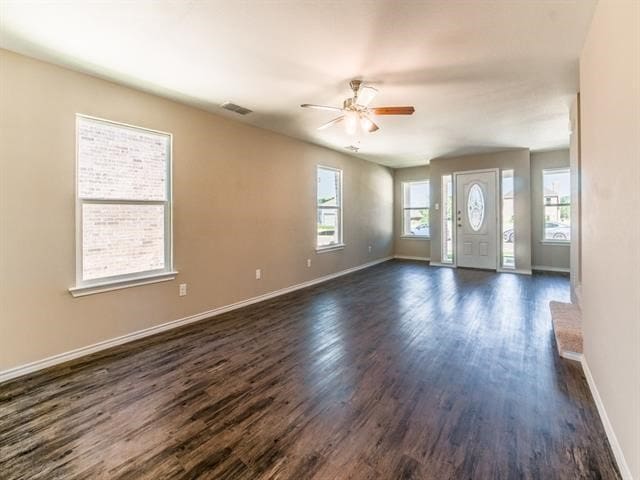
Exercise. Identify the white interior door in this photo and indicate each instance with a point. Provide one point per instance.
(477, 220)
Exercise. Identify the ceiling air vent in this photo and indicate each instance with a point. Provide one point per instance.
(235, 108)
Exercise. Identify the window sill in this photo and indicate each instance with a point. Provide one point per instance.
(330, 248)
(565, 243)
(415, 237)
(132, 282)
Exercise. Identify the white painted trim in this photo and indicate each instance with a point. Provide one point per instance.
(132, 282)
(498, 219)
(408, 257)
(558, 243)
(625, 471)
(438, 264)
(87, 286)
(21, 370)
(331, 248)
(545, 268)
(341, 243)
(576, 357)
(519, 271)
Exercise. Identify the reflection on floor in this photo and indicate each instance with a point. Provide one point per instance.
(398, 371)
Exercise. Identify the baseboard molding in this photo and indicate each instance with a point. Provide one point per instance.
(518, 271)
(608, 428)
(407, 257)
(575, 356)
(438, 264)
(28, 368)
(544, 268)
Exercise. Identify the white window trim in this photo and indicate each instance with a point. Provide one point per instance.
(544, 240)
(340, 244)
(444, 198)
(504, 267)
(404, 235)
(99, 285)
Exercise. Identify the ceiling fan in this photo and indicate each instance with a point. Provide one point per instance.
(356, 112)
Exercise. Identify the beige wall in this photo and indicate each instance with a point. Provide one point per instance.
(408, 247)
(545, 254)
(518, 160)
(243, 199)
(610, 156)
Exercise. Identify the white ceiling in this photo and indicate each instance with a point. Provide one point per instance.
(483, 75)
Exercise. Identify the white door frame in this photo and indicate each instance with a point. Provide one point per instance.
(498, 189)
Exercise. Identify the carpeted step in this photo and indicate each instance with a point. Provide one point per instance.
(567, 326)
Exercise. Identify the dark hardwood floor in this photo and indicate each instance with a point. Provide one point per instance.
(398, 371)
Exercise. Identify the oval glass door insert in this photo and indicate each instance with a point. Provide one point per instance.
(475, 207)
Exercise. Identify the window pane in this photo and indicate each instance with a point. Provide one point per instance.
(119, 239)
(416, 194)
(328, 232)
(557, 223)
(447, 219)
(328, 187)
(119, 162)
(508, 228)
(557, 186)
(416, 222)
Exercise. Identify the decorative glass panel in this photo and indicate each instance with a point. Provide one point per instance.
(447, 219)
(475, 207)
(508, 215)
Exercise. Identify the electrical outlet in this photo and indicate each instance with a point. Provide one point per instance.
(369, 248)
(182, 289)
(308, 262)
(258, 274)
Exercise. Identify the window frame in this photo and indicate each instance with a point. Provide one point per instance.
(339, 207)
(545, 240)
(503, 173)
(444, 200)
(86, 287)
(404, 208)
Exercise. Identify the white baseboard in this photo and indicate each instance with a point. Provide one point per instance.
(407, 257)
(545, 268)
(575, 356)
(438, 264)
(518, 271)
(608, 428)
(96, 347)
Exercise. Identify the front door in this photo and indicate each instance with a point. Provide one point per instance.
(477, 220)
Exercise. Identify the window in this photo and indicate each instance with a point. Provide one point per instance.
(329, 207)
(447, 219)
(415, 209)
(508, 215)
(123, 203)
(556, 188)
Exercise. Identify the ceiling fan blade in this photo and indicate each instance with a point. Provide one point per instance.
(392, 110)
(332, 122)
(320, 107)
(367, 124)
(365, 95)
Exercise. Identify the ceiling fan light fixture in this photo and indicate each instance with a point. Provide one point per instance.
(351, 122)
(367, 125)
